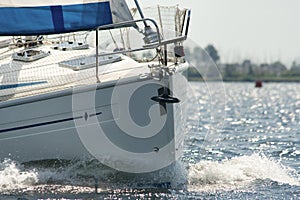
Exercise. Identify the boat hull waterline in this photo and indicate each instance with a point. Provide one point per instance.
(115, 122)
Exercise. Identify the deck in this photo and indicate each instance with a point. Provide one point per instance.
(19, 79)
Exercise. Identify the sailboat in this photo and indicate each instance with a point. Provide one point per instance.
(63, 97)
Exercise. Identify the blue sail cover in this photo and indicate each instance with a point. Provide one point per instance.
(39, 17)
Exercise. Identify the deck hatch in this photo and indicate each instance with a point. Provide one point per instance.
(89, 62)
(70, 45)
(29, 55)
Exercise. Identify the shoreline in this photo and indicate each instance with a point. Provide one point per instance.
(241, 79)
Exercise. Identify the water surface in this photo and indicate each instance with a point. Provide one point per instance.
(245, 145)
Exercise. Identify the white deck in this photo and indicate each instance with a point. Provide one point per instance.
(46, 75)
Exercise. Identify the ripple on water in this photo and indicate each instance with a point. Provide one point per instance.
(218, 164)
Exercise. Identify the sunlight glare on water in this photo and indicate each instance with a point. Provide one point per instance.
(255, 155)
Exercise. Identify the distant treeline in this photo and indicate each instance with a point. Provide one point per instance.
(207, 62)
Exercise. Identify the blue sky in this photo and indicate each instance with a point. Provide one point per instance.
(261, 30)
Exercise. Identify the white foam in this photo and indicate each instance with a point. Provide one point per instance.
(203, 176)
(12, 176)
(237, 172)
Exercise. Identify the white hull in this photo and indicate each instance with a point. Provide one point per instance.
(94, 122)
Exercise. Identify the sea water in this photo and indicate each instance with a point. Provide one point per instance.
(249, 151)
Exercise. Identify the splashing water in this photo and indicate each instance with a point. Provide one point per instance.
(13, 176)
(79, 177)
(203, 176)
(238, 172)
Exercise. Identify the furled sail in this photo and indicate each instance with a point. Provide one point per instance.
(39, 17)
